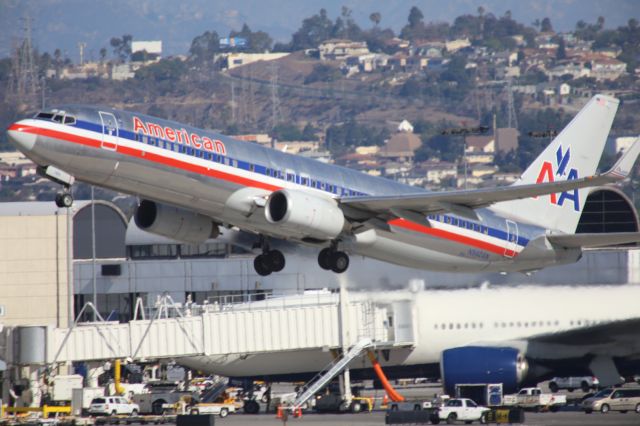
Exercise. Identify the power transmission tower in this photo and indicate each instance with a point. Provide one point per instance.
(24, 80)
(275, 100)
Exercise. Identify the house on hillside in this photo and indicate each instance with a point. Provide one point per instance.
(506, 139)
(233, 60)
(336, 49)
(479, 149)
(401, 147)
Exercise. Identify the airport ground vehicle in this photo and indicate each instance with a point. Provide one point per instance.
(585, 383)
(534, 398)
(463, 409)
(222, 409)
(152, 402)
(113, 405)
(616, 399)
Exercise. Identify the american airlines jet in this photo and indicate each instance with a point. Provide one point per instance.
(193, 182)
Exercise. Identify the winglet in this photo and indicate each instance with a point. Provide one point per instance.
(624, 165)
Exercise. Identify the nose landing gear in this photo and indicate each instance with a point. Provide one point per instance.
(64, 199)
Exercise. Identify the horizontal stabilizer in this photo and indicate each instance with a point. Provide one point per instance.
(594, 240)
(622, 168)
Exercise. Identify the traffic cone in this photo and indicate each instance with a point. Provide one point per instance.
(385, 401)
(279, 412)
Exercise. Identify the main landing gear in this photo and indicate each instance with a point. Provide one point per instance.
(269, 261)
(332, 259)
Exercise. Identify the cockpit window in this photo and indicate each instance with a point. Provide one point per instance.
(57, 116)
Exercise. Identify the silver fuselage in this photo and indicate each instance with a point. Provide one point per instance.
(207, 172)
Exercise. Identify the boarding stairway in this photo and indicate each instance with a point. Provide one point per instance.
(211, 393)
(321, 379)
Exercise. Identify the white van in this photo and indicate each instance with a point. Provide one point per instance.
(112, 406)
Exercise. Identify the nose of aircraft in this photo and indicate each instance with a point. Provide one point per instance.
(21, 136)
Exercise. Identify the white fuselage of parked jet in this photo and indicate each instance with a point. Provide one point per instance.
(534, 320)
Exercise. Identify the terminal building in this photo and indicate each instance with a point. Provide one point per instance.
(53, 261)
(98, 252)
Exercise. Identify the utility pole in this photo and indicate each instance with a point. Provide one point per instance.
(81, 47)
(512, 118)
(275, 101)
(233, 101)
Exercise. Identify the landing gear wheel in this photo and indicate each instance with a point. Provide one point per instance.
(275, 260)
(251, 407)
(64, 199)
(339, 262)
(261, 265)
(324, 258)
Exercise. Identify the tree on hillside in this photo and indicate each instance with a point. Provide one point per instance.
(122, 47)
(257, 42)
(204, 46)
(314, 30)
(322, 72)
(345, 27)
(415, 17)
(545, 26)
(375, 17)
(415, 26)
(561, 53)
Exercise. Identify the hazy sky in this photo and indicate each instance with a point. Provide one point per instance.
(64, 23)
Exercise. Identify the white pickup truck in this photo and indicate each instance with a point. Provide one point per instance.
(533, 398)
(221, 409)
(462, 409)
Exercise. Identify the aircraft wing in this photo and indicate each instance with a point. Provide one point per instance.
(594, 240)
(463, 202)
(616, 332)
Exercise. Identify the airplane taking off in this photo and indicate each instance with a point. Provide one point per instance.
(191, 182)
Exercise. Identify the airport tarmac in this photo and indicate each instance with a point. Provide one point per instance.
(376, 418)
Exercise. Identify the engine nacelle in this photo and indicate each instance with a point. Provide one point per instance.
(176, 223)
(478, 364)
(304, 215)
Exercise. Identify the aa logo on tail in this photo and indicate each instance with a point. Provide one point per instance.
(547, 175)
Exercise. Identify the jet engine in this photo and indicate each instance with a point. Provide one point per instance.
(304, 215)
(176, 223)
(478, 364)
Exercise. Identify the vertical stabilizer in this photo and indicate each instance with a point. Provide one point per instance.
(573, 154)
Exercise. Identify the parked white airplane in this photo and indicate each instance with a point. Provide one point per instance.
(515, 336)
(193, 181)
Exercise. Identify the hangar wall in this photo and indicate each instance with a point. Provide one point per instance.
(34, 265)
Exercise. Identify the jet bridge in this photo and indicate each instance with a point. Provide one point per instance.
(303, 322)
